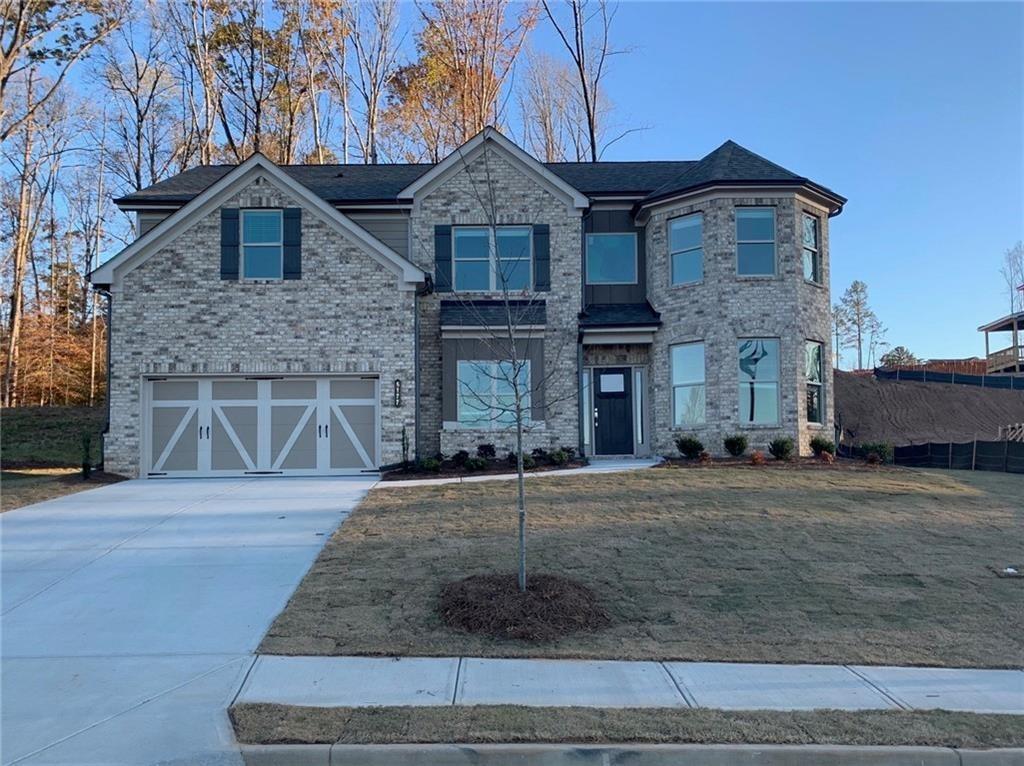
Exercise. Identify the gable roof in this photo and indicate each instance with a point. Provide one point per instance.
(230, 183)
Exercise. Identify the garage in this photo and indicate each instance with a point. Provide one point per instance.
(261, 426)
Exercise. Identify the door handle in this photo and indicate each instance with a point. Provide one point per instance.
(595, 417)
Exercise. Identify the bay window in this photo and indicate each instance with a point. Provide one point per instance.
(755, 241)
(686, 248)
(759, 381)
(688, 389)
(814, 355)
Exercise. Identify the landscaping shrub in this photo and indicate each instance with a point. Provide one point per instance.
(558, 457)
(569, 451)
(882, 452)
(705, 457)
(689, 447)
(757, 457)
(781, 448)
(827, 458)
(460, 458)
(736, 444)
(486, 451)
(476, 464)
(431, 464)
(820, 444)
(528, 461)
(541, 456)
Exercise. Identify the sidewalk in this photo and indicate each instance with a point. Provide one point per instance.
(597, 465)
(376, 681)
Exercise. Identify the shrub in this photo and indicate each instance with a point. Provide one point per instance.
(689, 447)
(486, 451)
(460, 458)
(881, 450)
(476, 464)
(528, 461)
(827, 458)
(431, 464)
(558, 457)
(570, 452)
(705, 457)
(820, 444)
(736, 444)
(540, 455)
(757, 457)
(781, 448)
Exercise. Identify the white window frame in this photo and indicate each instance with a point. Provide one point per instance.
(773, 241)
(491, 422)
(689, 384)
(242, 243)
(814, 251)
(744, 423)
(673, 253)
(820, 385)
(494, 284)
(636, 256)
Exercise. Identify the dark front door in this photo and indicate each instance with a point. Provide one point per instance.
(613, 411)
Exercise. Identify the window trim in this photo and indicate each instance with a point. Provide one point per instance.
(492, 424)
(820, 385)
(773, 241)
(743, 422)
(815, 251)
(672, 253)
(673, 386)
(242, 244)
(492, 259)
(636, 257)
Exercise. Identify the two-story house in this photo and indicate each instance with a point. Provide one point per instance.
(322, 319)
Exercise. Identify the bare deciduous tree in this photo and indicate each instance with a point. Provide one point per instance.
(1012, 271)
(375, 42)
(860, 323)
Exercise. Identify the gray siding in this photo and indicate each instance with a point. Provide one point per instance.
(392, 230)
(485, 349)
(610, 222)
(147, 221)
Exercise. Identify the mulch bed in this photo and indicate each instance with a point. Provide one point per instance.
(450, 471)
(797, 463)
(492, 604)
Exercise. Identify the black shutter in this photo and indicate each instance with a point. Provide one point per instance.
(541, 257)
(292, 239)
(229, 243)
(443, 259)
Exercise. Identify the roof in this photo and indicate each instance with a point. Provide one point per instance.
(491, 313)
(619, 315)
(1004, 324)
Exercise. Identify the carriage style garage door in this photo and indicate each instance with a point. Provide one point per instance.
(255, 426)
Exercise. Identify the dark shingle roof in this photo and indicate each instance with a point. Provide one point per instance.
(491, 313)
(620, 315)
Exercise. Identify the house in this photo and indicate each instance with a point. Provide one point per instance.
(1010, 358)
(334, 319)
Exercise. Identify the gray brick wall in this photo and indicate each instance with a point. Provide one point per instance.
(174, 314)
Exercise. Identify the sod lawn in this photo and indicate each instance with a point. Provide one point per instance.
(820, 565)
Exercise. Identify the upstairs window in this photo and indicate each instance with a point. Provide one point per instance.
(814, 356)
(487, 392)
(688, 398)
(262, 244)
(611, 259)
(686, 248)
(812, 257)
(755, 241)
(506, 265)
(759, 381)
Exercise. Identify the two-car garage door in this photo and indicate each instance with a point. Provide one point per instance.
(262, 426)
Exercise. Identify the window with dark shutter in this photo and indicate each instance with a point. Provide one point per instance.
(541, 257)
(443, 259)
(292, 243)
(229, 243)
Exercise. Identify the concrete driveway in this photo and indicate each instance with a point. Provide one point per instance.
(131, 612)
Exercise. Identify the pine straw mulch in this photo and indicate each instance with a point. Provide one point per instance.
(492, 605)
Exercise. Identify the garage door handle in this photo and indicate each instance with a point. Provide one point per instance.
(319, 431)
(207, 432)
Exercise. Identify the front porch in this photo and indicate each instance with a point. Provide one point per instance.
(1010, 358)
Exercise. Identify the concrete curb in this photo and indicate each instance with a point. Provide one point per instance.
(635, 755)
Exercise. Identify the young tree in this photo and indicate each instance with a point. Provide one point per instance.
(899, 356)
(861, 324)
(548, 106)
(1012, 271)
(374, 33)
(840, 332)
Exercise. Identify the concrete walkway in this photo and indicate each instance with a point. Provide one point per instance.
(597, 465)
(131, 612)
(369, 681)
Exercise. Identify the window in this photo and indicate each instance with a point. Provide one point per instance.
(487, 395)
(759, 381)
(262, 245)
(611, 259)
(686, 248)
(812, 258)
(480, 267)
(755, 241)
(814, 355)
(688, 403)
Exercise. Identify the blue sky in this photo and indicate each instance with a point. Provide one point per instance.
(914, 111)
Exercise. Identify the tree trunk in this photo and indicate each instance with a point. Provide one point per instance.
(521, 481)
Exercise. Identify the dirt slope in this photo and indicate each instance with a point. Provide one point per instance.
(912, 413)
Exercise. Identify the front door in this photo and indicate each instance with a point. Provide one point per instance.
(613, 411)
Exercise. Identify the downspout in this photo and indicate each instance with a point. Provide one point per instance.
(110, 316)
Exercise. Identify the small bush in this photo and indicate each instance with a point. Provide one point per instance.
(570, 452)
(476, 464)
(736, 444)
(881, 450)
(820, 444)
(486, 451)
(705, 457)
(689, 447)
(827, 458)
(541, 456)
(781, 448)
(757, 457)
(528, 461)
(431, 464)
(558, 457)
(460, 458)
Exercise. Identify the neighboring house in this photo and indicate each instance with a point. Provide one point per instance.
(317, 319)
(1010, 358)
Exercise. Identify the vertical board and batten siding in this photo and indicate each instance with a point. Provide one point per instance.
(455, 350)
(615, 222)
(392, 230)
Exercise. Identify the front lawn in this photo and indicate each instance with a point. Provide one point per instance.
(874, 566)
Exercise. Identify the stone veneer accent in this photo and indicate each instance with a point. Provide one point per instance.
(725, 307)
(175, 315)
(464, 198)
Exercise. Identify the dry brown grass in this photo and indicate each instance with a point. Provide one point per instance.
(34, 485)
(881, 566)
(281, 724)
